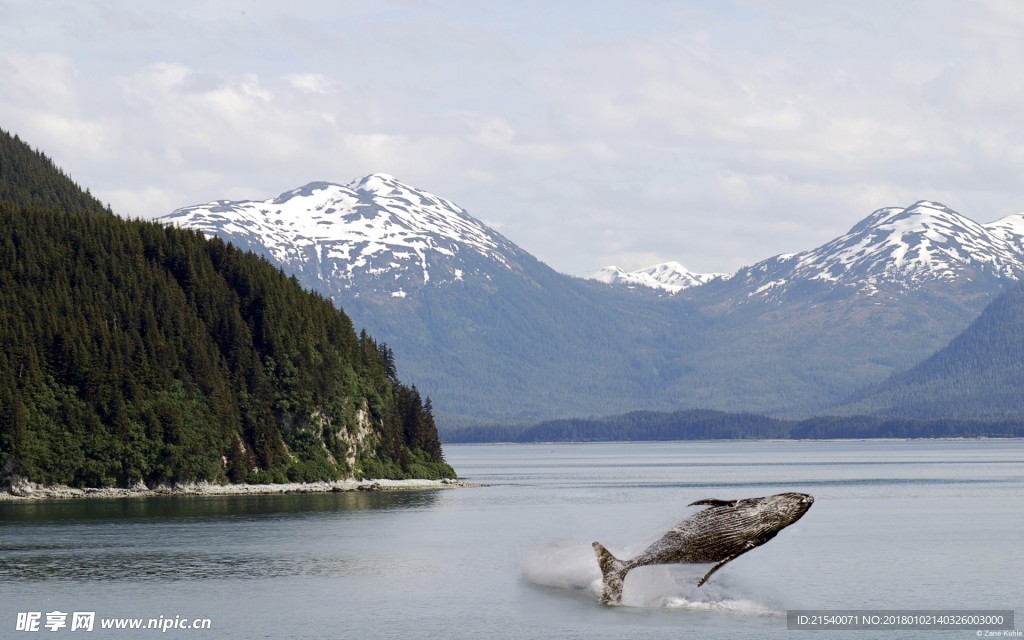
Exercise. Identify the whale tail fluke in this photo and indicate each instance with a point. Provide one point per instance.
(613, 573)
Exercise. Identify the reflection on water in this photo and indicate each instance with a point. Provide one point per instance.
(190, 538)
(211, 506)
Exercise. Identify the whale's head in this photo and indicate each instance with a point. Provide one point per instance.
(756, 519)
(779, 511)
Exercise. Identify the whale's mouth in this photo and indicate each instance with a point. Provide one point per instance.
(804, 504)
(801, 500)
(795, 506)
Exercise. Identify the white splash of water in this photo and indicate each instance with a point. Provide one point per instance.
(565, 564)
(572, 565)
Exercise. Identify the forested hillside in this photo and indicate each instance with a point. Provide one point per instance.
(720, 425)
(132, 352)
(979, 374)
(30, 178)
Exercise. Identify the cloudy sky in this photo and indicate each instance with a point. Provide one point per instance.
(714, 133)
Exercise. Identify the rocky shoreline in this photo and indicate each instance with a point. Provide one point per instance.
(30, 491)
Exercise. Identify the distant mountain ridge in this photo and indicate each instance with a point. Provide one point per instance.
(910, 246)
(923, 242)
(518, 341)
(375, 234)
(378, 233)
(671, 277)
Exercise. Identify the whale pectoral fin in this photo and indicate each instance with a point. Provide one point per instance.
(712, 502)
(721, 563)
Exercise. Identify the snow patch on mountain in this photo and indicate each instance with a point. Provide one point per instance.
(667, 276)
(375, 229)
(379, 235)
(1010, 230)
(905, 246)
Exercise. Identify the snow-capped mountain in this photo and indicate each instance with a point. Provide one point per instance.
(1010, 230)
(491, 333)
(905, 247)
(667, 276)
(376, 233)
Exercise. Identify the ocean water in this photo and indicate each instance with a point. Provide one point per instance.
(895, 525)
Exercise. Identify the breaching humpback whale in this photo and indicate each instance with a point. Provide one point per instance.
(720, 533)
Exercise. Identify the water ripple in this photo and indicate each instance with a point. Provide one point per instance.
(30, 565)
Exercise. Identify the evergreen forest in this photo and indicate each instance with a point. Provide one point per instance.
(721, 425)
(131, 352)
(979, 374)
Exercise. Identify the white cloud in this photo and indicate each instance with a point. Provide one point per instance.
(43, 77)
(714, 134)
(311, 82)
(41, 92)
(496, 134)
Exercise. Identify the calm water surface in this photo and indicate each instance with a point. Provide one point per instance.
(895, 525)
